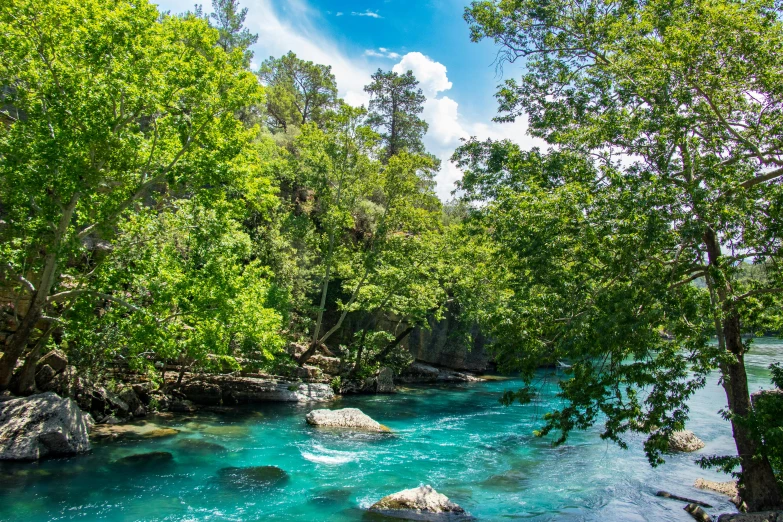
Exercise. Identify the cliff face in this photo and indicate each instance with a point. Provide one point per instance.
(447, 344)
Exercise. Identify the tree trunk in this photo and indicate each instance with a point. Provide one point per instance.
(392, 345)
(22, 335)
(757, 487)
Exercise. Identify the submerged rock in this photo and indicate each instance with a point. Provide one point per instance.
(42, 426)
(146, 430)
(422, 503)
(253, 477)
(685, 441)
(150, 459)
(352, 418)
(199, 446)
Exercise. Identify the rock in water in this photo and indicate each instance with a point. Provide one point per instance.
(41, 426)
(346, 418)
(422, 503)
(148, 460)
(254, 477)
(726, 488)
(685, 441)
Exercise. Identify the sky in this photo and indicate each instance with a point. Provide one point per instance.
(429, 37)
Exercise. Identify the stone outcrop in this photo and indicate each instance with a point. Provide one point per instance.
(43, 425)
(420, 373)
(422, 503)
(763, 516)
(350, 418)
(384, 381)
(56, 359)
(243, 390)
(329, 365)
(685, 441)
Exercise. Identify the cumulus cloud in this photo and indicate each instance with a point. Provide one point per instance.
(446, 125)
(431, 74)
(368, 13)
(298, 30)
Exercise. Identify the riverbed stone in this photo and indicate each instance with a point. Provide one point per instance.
(40, 426)
(685, 441)
(351, 418)
(422, 503)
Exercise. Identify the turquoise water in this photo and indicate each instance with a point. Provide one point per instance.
(458, 439)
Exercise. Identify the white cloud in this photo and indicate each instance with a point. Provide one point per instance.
(371, 14)
(431, 74)
(298, 31)
(382, 52)
(339, 13)
(447, 126)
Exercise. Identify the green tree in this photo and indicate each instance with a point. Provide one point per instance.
(107, 103)
(395, 104)
(297, 91)
(229, 20)
(667, 121)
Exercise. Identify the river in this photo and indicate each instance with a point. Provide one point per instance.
(458, 439)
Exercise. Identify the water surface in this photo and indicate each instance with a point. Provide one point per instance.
(458, 439)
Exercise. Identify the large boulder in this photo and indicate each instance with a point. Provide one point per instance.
(41, 426)
(352, 418)
(419, 372)
(243, 390)
(726, 488)
(44, 376)
(422, 503)
(685, 441)
(56, 359)
(201, 392)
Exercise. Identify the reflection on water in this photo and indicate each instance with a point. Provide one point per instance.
(265, 463)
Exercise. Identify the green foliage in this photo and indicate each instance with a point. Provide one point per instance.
(664, 120)
(297, 92)
(394, 108)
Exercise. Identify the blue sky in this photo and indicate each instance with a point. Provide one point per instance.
(356, 38)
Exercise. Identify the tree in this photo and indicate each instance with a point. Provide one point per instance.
(108, 103)
(297, 92)
(667, 121)
(229, 20)
(394, 108)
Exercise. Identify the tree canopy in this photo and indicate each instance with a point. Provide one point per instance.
(665, 123)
